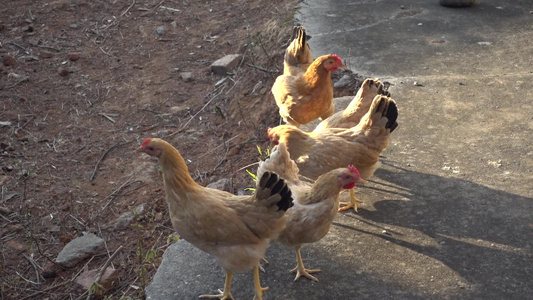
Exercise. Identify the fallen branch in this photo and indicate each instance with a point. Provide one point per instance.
(102, 157)
(107, 117)
(128, 9)
(47, 289)
(115, 192)
(20, 47)
(261, 68)
(201, 109)
(35, 266)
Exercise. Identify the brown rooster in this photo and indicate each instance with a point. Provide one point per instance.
(298, 55)
(307, 95)
(316, 153)
(315, 204)
(357, 108)
(236, 230)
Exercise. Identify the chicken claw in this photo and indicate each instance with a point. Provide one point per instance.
(352, 204)
(226, 295)
(300, 270)
(258, 288)
(261, 267)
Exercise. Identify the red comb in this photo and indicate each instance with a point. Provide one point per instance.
(336, 57)
(148, 140)
(354, 170)
(268, 131)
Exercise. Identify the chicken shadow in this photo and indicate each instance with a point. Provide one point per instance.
(482, 234)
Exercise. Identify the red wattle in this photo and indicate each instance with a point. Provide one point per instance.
(349, 186)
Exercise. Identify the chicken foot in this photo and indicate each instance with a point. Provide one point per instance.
(257, 283)
(300, 270)
(226, 295)
(352, 204)
(261, 268)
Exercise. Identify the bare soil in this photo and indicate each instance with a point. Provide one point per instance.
(82, 84)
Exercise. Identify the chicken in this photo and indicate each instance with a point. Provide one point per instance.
(298, 54)
(316, 153)
(357, 108)
(315, 204)
(236, 230)
(308, 95)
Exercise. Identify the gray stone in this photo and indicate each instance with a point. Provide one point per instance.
(344, 81)
(87, 278)
(222, 184)
(186, 76)
(160, 30)
(186, 273)
(225, 64)
(126, 218)
(177, 109)
(79, 249)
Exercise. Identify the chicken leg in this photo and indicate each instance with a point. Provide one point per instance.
(258, 288)
(352, 204)
(226, 295)
(300, 270)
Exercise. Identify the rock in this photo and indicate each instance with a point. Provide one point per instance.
(47, 54)
(158, 217)
(50, 270)
(4, 210)
(73, 56)
(225, 64)
(89, 276)
(160, 30)
(126, 218)
(79, 249)
(456, 3)
(63, 72)
(74, 25)
(8, 60)
(179, 270)
(177, 109)
(344, 81)
(15, 245)
(5, 123)
(186, 76)
(222, 184)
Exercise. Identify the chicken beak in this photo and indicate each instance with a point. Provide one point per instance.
(360, 181)
(139, 150)
(343, 67)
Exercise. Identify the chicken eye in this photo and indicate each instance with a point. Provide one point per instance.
(151, 148)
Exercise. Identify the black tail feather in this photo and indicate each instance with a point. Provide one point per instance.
(277, 186)
(392, 116)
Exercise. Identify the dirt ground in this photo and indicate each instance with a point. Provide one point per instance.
(82, 84)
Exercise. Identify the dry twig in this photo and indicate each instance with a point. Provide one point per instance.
(102, 157)
(201, 109)
(115, 192)
(261, 68)
(128, 9)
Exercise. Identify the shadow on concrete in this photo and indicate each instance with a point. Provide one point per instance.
(482, 234)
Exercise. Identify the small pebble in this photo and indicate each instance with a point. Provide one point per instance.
(63, 72)
(74, 25)
(8, 60)
(46, 54)
(160, 30)
(73, 56)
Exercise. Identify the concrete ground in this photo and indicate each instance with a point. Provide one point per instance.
(449, 213)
